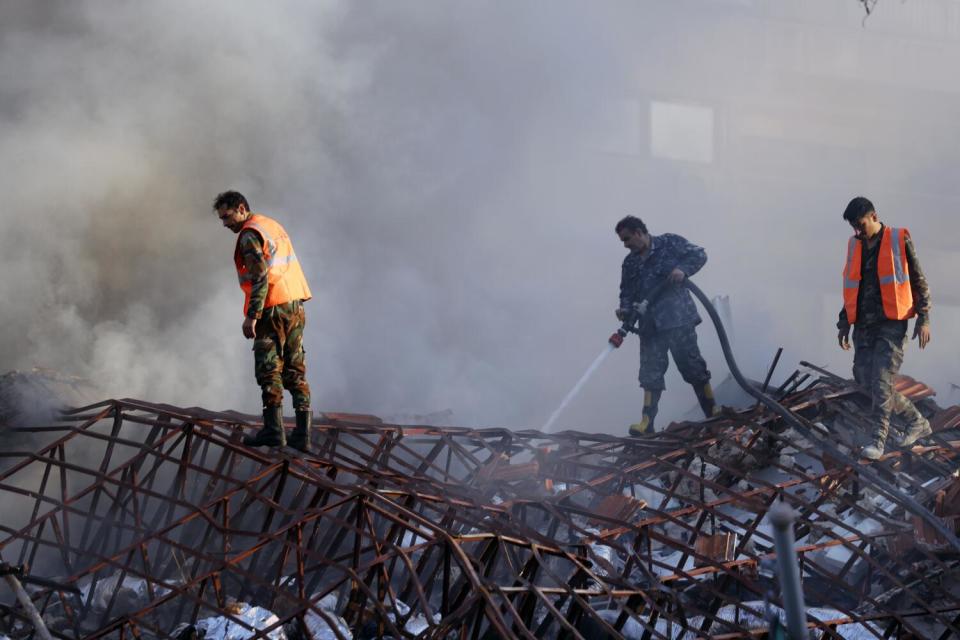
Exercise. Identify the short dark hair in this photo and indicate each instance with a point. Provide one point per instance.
(230, 200)
(632, 223)
(857, 208)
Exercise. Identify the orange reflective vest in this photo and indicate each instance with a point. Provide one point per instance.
(285, 278)
(891, 269)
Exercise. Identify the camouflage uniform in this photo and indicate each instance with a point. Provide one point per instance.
(671, 321)
(278, 354)
(682, 343)
(878, 342)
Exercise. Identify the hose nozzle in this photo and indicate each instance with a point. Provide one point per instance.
(633, 315)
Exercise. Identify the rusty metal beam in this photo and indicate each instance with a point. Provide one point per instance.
(482, 532)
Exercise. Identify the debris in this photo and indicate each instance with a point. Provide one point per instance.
(244, 622)
(398, 530)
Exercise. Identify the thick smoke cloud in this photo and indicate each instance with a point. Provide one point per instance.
(450, 173)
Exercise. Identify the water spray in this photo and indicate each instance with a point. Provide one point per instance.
(607, 350)
(633, 321)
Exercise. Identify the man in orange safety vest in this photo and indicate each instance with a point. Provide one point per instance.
(274, 290)
(883, 286)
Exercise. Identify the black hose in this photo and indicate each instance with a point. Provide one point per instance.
(881, 485)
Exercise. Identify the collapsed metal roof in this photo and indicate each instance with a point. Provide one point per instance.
(170, 527)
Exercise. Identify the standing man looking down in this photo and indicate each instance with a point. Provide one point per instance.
(670, 324)
(274, 289)
(883, 286)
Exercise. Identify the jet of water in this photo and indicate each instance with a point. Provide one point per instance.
(576, 388)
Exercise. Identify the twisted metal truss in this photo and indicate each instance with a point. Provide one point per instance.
(162, 517)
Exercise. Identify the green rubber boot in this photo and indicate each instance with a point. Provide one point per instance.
(272, 434)
(300, 437)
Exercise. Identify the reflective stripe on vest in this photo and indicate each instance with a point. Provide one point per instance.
(898, 243)
(285, 279)
(270, 246)
(892, 272)
(848, 280)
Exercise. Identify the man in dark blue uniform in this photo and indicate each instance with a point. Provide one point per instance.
(670, 324)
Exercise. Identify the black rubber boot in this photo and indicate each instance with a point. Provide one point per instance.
(705, 397)
(651, 402)
(272, 434)
(300, 437)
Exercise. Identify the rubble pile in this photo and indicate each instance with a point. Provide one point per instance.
(170, 527)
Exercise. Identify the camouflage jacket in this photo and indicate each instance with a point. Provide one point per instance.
(251, 250)
(869, 302)
(640, 274)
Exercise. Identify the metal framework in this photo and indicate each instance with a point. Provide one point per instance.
(165, 521)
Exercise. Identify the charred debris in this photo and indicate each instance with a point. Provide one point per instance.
(153, 521)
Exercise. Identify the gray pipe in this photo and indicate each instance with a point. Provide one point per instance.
(27, 604)
(782, 517)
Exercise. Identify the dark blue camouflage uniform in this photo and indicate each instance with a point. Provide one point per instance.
(670, 323)
(878, 342)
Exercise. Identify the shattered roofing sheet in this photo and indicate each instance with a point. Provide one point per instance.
(913, 389)
(436, 532)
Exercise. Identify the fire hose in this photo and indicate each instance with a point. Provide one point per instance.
(633, 320)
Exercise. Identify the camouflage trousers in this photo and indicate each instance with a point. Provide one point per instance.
(682, 343)
(877, 356)
(278, 355)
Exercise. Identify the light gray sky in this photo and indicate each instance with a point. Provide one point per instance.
(451, 173)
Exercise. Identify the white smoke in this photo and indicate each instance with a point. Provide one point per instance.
(450, 174)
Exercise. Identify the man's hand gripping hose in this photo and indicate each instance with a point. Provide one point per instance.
(634, 316)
